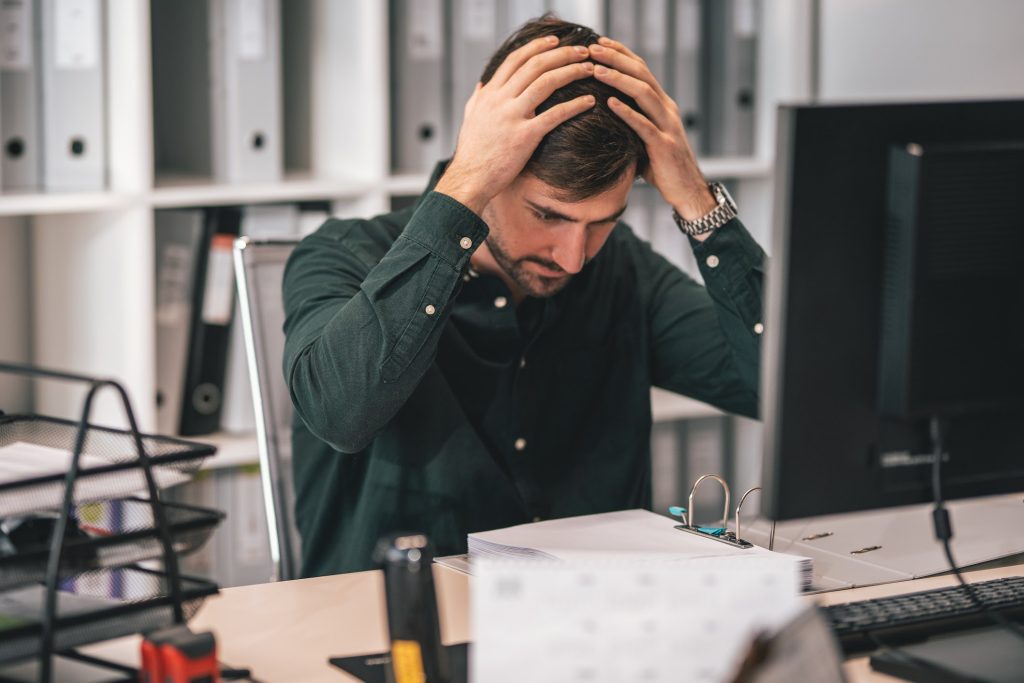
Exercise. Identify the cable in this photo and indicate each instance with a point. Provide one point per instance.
(944, 530)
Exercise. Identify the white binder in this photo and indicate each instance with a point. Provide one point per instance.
(245, 87)
(515, 13)
(19, 97)
(474, 38)
(653, 40)
(71, 64)
(732, 76)
(622, 17)
(419, 117)
(685, 78)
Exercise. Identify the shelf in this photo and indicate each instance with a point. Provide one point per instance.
(735, 167)
(42, 203)
(233, 450)
(178, 191)
(406, 184)
(666, 407)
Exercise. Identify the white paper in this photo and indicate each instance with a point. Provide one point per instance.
(20, 461)
(605, 621)
(77, 36)
(16, 37)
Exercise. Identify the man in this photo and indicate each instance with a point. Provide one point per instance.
(485, 357)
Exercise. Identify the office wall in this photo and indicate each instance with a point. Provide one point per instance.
(919, 49)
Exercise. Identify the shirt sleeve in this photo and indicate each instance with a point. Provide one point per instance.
(360, 330)
(706, 339)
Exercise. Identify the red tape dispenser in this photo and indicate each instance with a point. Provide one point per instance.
(177, 655)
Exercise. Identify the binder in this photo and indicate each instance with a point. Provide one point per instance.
(259, 221)
(474, 36)
(732, 62)
(419, 130)
(621, 20)
(686, 68)
(217, 105)
(245, 87)
(19, 97)
(178, 237)
(212, 308)
(72, 83)
(515, 13)
(653, 42)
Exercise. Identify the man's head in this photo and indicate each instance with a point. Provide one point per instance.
(558, 214)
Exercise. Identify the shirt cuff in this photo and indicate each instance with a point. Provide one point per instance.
(446, 228)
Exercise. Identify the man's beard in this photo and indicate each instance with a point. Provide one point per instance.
(529, 282)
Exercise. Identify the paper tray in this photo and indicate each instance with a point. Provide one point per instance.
(111, 466)
(85, 613)
(118, 533)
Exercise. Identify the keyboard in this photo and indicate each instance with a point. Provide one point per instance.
(912, 617)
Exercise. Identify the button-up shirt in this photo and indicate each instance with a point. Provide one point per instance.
(425, 400)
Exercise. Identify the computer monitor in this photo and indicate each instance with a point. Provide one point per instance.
(895, 293)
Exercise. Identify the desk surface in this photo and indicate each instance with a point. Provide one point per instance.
(286, 631)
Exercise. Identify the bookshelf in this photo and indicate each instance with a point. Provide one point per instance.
(80, 265)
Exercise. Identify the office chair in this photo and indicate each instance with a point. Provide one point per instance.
(259, 270)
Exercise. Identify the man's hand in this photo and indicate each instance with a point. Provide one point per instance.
(673, 168)
(501, 130)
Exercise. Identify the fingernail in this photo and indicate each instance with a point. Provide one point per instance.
(582, 50)
(552, 39)
(605, 40)
(588, 66)
(596, 48)
(591, 100)
(601, 70)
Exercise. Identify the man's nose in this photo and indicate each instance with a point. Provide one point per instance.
(571, 249)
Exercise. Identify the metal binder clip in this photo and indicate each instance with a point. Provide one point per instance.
(718, 533)
(738, 506)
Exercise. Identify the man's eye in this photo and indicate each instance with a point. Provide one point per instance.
(546, 217)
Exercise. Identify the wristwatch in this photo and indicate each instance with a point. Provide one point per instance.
(719, 216)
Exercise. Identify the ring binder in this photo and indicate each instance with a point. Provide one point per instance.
(719, 533)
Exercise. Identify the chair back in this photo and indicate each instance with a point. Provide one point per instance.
(259, 271)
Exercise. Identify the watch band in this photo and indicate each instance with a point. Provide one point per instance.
(716, 218)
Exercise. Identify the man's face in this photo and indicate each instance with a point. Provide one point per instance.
(539, 241)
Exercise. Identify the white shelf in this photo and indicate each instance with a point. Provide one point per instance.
(667, 406)
(406, 184)
(233, 450)
(173, 192)
(42, 203)
(740, 168)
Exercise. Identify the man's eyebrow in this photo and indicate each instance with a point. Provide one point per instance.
(540, 208)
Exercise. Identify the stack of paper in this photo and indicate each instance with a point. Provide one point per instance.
(628, 535)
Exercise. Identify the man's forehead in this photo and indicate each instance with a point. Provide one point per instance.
(536, 191)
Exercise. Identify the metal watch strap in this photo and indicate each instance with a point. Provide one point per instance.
(716, 218)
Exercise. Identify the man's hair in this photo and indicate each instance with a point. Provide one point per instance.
(590, 152)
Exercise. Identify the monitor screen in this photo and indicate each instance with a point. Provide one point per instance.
(895, 294)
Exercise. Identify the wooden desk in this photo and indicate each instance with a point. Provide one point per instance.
(287, 631)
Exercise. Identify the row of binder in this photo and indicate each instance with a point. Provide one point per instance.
(52, 109)
(704, 52)
(217, 89)
(202, 374)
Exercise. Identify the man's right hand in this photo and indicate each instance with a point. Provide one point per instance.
(500, 129)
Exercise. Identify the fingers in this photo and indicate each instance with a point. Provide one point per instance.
(519, 57)
(652, 102)
(560, 113)
(643, 126)
(542, 88)
(626, 63)
(539, 64)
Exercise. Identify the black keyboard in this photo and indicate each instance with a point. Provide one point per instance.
(901, 619)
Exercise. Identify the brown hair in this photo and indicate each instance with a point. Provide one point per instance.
(590, 152)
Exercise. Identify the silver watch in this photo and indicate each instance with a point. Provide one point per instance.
(719, 216)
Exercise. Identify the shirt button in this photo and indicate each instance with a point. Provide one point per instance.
(465, 243)
(500, 302)
(430, 310)
(712, 261)
(522, 362)
(466, 278)
(538, 519)
(758, 328)
(520, 444)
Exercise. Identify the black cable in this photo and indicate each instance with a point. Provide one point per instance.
(944, 530)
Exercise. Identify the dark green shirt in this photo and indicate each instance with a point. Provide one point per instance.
(426, 401)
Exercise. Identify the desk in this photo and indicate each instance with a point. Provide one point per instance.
(286, 631)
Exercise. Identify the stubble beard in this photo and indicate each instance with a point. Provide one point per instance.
(531, 284)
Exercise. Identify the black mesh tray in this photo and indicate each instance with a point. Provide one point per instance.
(111, 534)
(87, 615)
(111, 471)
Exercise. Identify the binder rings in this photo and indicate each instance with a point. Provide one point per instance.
(217, 89)
(19, 97)
(419, 132)
(732, 64)
(71, 64)
(685, 70)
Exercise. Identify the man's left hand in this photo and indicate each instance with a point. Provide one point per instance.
(673, 167)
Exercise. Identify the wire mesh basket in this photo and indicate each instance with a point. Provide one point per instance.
(86, 613)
